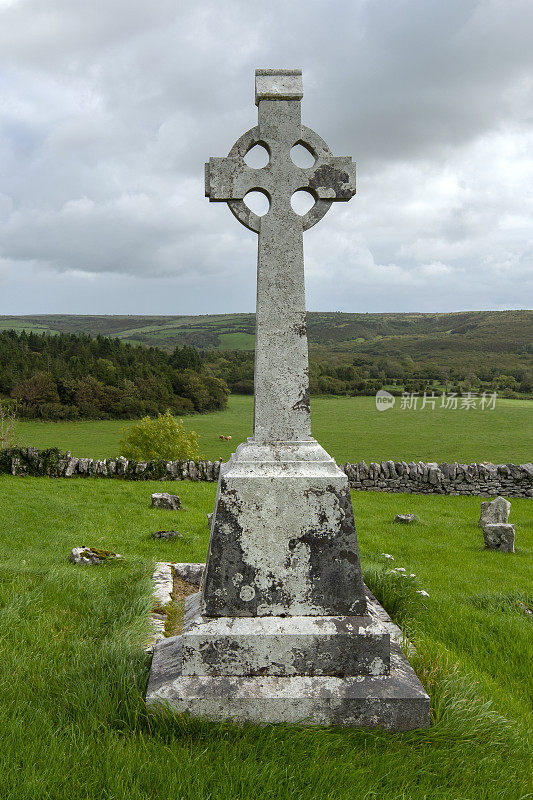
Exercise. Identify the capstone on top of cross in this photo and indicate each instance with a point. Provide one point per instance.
(278, 94)
(278, 84)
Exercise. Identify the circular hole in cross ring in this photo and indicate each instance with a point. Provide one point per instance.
(257, 201)
(302, 156)
(257, 157)
(302, 201)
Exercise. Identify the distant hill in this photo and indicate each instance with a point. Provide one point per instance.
(401, 347)
(494, 331)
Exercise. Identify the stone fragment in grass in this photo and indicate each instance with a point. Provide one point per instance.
(406, 519)
(166, 535)
(166, 500)
(499, 536)
(494, 512)
(91, 555)
(189, 572)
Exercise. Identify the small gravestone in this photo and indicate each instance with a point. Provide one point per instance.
(166, 535)
(166, 500)
(284, 629)
(494, 512)
(405, 519)
(499, 536)
(91, 555)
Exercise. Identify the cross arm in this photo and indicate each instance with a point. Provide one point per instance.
(334, 180)
(230, 178)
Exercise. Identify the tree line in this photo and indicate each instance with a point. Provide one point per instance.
(71, 376)
(366, 373)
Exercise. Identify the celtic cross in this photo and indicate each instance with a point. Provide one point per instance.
(281, 408)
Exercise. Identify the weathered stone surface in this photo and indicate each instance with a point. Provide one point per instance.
(281, 408)
(395, 700)
(166, 500)
(283, 540)
(189, 572)
(494, 511)
(282, 645)
(91, 555)
(499, 536)
(406, 519)
(166, 535)
(162, 578)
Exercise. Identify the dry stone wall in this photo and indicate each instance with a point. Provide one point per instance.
(485, 480)
(510, 480)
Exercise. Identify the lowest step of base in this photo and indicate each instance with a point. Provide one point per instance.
(347, 671)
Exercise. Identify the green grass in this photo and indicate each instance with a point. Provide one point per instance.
(236, 341)
(73, 724)
(350, 428)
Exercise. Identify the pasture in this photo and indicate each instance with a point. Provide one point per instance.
(350, 428)
(73, 724)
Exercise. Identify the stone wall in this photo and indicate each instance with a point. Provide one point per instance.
(485, 480)
(510, 480)
(54, 464)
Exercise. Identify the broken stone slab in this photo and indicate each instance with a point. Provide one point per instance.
(189, 572)
(166, 535)
(162, 578)
(166, 501)
(406, 519)
(91, 555)
(494, 511)
(499, 536)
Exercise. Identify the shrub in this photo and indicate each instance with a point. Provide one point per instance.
(161, 439)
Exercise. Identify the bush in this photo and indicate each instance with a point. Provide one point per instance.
(161, 439)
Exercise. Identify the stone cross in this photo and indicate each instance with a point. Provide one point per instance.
(281, 410)
(283, 629)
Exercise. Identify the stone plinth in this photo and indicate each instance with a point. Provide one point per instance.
(387, 695)
(283, 539)
(282, 646)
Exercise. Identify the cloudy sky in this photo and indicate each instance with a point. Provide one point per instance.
(109, 108)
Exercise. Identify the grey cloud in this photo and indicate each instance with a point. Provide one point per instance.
(110, 108)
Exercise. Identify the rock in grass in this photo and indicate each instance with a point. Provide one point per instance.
(494, 512)
(91, 555)
(166, 500)
(209, 518)
(406, 519)
(499, 536)
(167, 535)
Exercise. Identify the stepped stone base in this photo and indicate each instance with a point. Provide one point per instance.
(393, 698)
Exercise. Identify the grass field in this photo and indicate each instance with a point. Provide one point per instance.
(73, 725)
(350, 428)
